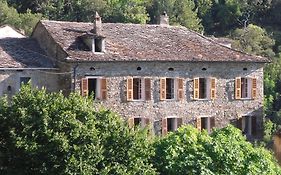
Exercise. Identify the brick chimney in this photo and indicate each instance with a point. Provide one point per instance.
(97, 24)
(164, 19)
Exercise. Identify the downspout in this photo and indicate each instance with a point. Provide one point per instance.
(74, 76)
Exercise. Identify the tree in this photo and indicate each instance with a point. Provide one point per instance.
(253, 39)
(47, 133)
(25, 21)
(180, 13)
(225, 151)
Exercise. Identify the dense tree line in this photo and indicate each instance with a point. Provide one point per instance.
(48, 133)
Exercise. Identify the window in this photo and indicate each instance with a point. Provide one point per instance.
(204, 88)
(171, 88)
(141, 122)
(94, 86)
(245, 88)
(247, 124)
(170, 124)
(138, 89)
(98, 45)
(205, 123)
(24, 80)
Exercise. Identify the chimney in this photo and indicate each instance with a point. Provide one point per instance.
(164, 19)
(97, 24)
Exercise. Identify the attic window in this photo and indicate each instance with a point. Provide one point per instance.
(171, 69)
(245, 69)
(92, 69)
(204, 69)
(138, 68)
(98, 45)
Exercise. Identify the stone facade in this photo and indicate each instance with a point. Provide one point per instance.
(224, 108)
(10, 80)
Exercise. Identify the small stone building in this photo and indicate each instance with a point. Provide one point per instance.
(21, 61)
(160, 75)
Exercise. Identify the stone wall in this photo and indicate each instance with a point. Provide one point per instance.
(224, 107)
(39, 78)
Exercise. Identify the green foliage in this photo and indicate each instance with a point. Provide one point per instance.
(179, 12)
(253, 39)
(225, 151)
(25, 21)
(47, 133)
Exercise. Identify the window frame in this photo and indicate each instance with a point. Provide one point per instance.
(142, 89)
(208, 88)
(98, 96)
(23, 82)
(209, 128)
(175, 89)
(175, 119)
(248, 87)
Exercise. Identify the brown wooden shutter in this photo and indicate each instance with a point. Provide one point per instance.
(238, 88)
(213, 88)
(254, 88)
(129, 89)
(254, 125)
(179, 122)
(103, 88)
(180, 89)
(212, 123)
(164, 126)
(147, 85)
(84, 87)
(146, 121)
(196, 88)
(198, 123)
(131, 123)
(162, 88)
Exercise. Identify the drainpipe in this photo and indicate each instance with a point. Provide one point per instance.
(74, 77)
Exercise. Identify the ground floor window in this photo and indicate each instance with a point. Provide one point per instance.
(141, 122)
(247, 124)
(205, 123)
(171, 124)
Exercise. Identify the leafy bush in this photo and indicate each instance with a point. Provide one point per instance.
(225, 151)
(47, 133)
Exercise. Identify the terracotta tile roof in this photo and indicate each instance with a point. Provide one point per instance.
(135, 42)
(22, 53)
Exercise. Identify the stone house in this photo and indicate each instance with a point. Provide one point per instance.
(157, 75)
(22, 60)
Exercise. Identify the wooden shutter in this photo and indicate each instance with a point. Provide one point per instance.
(146, 121)
(238, 88)
(254, 88)
(196, 88)
(103, 88)
(131, 123)
(129, 89)
(254, 125)
(164, 126)
(198, 123)
(179, 122)
(180, 88)
(212, 123)
(84, 87)
(147, 85)
(162, 88)
(213, 88)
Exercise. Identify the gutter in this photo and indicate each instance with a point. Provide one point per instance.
(29, 69)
